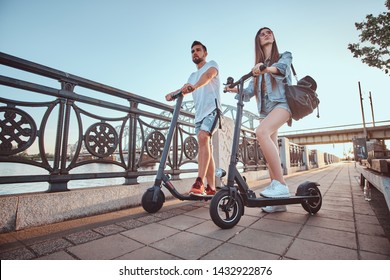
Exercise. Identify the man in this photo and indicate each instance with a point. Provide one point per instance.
(204, 85)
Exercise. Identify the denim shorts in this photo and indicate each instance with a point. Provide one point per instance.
(267, 106)
(208, 124)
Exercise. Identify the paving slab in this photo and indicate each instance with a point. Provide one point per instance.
(270, 242)
(182, 222)
(374, 244)
(106, 248)
(229, 251)
(150, 233)
(209, 229)
(276, 226)
(187, 245)
(329, 236)
(147, 253)
(319, 221)
(61, 255)
(311, 250)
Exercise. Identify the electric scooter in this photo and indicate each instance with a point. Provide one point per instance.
(227, 205)
(154, 198)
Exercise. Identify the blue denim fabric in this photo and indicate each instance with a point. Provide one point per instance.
(208, 124)
(276, 94)
(268, 106)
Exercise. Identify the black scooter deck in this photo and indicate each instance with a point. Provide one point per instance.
(266, 201)
(201, 196)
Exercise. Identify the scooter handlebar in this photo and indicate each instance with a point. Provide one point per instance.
(230, 81)
(262, 67)
(180, 93)
(176, 95)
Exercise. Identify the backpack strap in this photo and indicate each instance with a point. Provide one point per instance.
(294, 73)
(219, 113)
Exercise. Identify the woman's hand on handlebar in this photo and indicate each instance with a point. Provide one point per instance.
(259, 69)
(229, 89)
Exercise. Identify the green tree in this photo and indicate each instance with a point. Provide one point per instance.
(375, 40)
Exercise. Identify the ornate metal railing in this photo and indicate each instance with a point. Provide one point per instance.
(96, 126)
(65, 122)
(296, 155)
(67, 128)
(250, 154)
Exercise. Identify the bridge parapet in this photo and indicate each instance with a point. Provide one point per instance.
(104, 123)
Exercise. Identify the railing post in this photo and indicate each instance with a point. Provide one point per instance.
(285, 155)
(69, 87)
(222, 146)
(306, 160)
(320, 159)
(313, 159)
(132, 146)
(55, 183)
(60, 126)
(175, 154)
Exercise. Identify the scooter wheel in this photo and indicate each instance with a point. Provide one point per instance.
(147, 201)
(310, 189)
(225, 211)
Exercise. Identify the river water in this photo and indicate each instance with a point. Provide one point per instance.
(15, 169)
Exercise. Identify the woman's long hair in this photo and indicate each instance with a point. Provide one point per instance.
(260, 57)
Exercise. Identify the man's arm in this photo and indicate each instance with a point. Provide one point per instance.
(203, 80)
(206, 77)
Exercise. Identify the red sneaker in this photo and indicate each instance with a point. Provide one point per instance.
(209, 190)
(197, 187)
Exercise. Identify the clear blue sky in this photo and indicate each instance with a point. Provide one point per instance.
(144, 46)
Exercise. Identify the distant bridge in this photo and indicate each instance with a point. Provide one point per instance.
(338, 134)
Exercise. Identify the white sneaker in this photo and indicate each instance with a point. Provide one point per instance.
(273, 209)
(269, 186)
(276, 189)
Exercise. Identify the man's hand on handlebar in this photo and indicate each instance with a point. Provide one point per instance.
(169, 96)
(187, 88)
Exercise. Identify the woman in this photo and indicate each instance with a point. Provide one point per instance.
(268, 88)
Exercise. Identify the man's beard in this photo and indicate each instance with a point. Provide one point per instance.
(197, 60)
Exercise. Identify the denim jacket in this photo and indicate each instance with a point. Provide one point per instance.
(274, 94)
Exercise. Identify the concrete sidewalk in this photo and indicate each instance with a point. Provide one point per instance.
(346, 227)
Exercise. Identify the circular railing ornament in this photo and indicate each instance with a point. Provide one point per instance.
(101, 139)
(155, 144)
(191, 147)
(17, 131)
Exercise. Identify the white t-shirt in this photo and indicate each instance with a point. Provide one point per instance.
(204, 97)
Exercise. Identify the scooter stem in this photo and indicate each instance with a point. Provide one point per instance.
(171, 131)
(236, 135)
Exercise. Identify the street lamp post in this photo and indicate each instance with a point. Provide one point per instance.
(361, 106)
(372, 111)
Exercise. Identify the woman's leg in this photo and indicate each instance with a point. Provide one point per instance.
(274, 138)
(266, 134)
